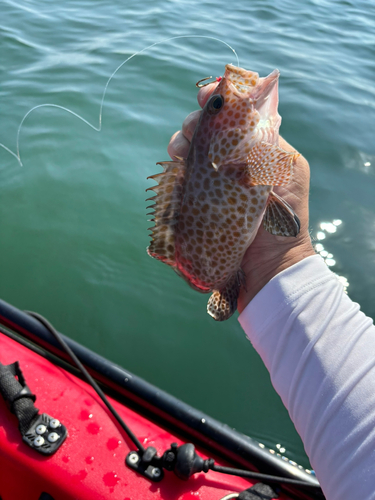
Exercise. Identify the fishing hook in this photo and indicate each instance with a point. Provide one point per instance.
(200, 85)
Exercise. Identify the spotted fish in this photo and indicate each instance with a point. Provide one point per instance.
(208, 207)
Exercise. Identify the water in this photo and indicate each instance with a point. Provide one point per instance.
(72, 219)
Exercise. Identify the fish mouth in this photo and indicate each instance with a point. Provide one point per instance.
(243, 82)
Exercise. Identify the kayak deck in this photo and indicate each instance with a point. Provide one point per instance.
(90, 463)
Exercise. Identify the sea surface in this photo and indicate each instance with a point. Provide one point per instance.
(73, 225)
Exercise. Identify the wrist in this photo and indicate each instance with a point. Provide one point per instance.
(265, 264)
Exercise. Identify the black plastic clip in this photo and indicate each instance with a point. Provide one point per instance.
(46, 434)
(43, 433)
(147, 463)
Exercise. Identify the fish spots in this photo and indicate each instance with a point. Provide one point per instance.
(89, 460)
(220, 199)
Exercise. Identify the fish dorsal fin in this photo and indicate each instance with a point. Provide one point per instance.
(279, 218)
(166, 210)
(269, 165)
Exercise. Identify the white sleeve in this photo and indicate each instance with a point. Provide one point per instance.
(320, 351)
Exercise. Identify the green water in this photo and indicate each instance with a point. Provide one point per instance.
(73, 229)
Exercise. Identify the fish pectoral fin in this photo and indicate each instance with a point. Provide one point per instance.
(279, 218)
(165, 210)
(223, 303)
(269, 165)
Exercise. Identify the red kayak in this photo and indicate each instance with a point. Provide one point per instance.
(67, 444)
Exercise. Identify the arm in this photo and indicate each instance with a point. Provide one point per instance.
(317, 345)
(320, 351)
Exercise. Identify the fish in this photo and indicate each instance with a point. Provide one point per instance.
(208, 207)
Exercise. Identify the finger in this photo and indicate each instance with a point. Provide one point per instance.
(189, 124)
(285, 145)
(205, 93)
(178, 145)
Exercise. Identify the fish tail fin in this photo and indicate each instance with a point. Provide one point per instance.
(223, 302)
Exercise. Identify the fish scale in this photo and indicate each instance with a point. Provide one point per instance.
(209, 206)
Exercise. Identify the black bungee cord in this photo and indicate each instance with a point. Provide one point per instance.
(88, 378)
(183, 460)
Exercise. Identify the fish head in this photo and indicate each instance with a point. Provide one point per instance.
(241, 103)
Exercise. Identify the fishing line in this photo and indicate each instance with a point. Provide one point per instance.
(17, 154)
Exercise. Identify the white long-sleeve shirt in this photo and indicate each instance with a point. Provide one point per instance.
(320, 351)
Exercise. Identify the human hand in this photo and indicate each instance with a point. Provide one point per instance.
(268, 255)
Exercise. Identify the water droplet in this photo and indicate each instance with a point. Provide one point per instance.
(93, 428)
(113, 443)
(84, 415)
(110, 479)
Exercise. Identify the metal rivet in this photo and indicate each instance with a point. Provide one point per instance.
(40, 429)
(156, 472)
(133, 458)
(54, 423)
(53, 437)
(38, 441)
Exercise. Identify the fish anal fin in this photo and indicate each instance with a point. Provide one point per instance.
(279, 218)
(166, 210)
(269, 165)
(223, 302)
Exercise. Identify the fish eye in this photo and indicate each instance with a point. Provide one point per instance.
(215, 104)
